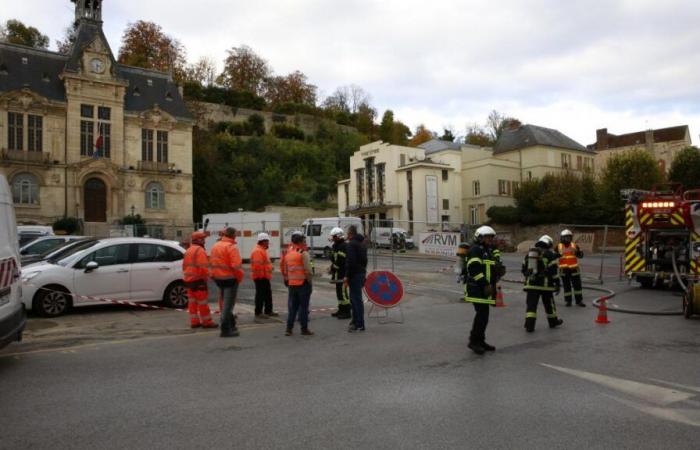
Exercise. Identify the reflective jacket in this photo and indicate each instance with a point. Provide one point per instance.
(338, 256)
(225, 261)
(569, 254)
(546, 278)
(195, 267)
(260, 264)
(294, 270)
(480, 273)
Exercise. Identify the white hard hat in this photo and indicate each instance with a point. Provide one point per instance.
(484, 231)
(263, 237)
(337, 231)
(546, 239)
(566, 233)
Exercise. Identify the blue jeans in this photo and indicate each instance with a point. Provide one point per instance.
(298, 303)
(228, 290)
(357, 282)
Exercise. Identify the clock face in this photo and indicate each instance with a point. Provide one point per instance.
(97, 65)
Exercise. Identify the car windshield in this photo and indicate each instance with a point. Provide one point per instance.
(61, 250)
(67, 252)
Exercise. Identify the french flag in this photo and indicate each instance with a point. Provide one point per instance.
(97, 154)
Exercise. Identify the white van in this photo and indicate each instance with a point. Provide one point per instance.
(12, 316)
(381, 237)
(318, 232)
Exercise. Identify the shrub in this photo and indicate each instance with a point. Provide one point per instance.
(503, 215)
(67, 225)
(288, 132)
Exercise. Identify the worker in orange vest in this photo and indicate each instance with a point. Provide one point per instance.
(227, 272)
(296, 268)
(570, 273)
(261, 274)
(195, 267)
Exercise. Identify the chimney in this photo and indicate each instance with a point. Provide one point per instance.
(601, 139)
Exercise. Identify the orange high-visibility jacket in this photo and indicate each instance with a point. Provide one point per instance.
(195, 265)
(294, 267)
(260, 264)
(568, 258)
(283, 264)
(225, 261)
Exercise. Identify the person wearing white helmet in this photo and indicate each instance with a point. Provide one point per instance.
(480, 289)
(339, 253)
(261, 274)
(541, 272)
(569, 270)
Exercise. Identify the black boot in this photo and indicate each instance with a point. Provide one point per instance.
(530, 324)
(476, 347)
(343, 312)
(488, 347)
(554, 322)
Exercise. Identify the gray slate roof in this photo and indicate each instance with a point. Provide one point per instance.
(43, 68)
(531, 135)
(438, 145)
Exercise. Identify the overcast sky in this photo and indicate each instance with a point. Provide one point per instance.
(576, 66)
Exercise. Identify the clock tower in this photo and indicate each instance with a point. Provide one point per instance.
(88, 10)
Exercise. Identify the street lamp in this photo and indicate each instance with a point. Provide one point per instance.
(133, 208)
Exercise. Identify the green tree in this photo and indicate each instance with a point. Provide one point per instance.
(447, 135)
(685, 168)
(16, 32)
(634, 169)
(386, 127)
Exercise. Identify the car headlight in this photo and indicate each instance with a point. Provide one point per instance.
(29, 276)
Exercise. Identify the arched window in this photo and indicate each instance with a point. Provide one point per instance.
(155, 196)
(25, 189)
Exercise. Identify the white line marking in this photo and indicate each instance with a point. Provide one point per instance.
(677, 385)
(684, 416)
(648, 392)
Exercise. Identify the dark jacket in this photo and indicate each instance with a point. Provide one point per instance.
(547, 276)
(480, 273)
(339, 253)
(356, 262)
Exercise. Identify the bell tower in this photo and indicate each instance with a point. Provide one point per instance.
(88, 10)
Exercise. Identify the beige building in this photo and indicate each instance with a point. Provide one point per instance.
(663, 144)
(83, 136)
(491, 176)
(413, 188)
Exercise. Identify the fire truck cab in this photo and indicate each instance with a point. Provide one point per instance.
(662, 232)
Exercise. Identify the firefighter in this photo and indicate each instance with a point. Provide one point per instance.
(541, 273)
(480, 287)
(261, 274)
(298, 276)
(227, 271)
(337, 271)
(195, 267)
(569, 270)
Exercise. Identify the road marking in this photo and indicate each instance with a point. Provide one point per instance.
(648, 392)
(685, 416)
(68, 350)
(678, 385)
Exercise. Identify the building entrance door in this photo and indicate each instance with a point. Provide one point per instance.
(95, 192)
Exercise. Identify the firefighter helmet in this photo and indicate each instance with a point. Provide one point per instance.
(337, 232)
(263, 237)
(483, 231)
(547, 240)
(566, 233)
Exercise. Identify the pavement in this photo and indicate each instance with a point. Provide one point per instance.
(119, 377)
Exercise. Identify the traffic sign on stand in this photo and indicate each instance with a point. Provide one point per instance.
(384, 290)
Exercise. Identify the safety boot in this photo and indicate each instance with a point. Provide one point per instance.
(581, 304)
(477, 348)
(343, 312)
(488, 347)
(530, 324)
(554, 322)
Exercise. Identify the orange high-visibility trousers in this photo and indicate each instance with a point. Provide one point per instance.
(198, 307)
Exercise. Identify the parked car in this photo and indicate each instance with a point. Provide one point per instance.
(133, 269)
(27, 233)
(12, 317)
(59, 252)
(44, 244)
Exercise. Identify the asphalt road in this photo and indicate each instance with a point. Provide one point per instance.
(631, 384)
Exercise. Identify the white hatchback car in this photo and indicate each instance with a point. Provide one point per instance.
(131, 269)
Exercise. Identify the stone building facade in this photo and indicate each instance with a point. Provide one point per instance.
(83, 136)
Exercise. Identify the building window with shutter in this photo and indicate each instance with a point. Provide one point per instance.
(476, 188)
(35, 125)
(15, 131)
(146, 145)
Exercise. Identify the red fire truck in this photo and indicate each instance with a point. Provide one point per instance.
(662, 248)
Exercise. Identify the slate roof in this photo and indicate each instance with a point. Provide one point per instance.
(43, 68)
(531, 135)
(438, 145)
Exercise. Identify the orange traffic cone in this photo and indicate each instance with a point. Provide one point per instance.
(602, 311)
(499, 297)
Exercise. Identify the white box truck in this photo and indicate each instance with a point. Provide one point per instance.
(318, 232)
(382, 237)
(12, 315)
(248, 225)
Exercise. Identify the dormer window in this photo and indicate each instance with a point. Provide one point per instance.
(25, 60)
(169, 97)
(149, 82)
(3, 69)
(137, 92)
(45, 77)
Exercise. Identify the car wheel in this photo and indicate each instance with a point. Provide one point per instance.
(646, 282)
(176, 295)
(52, 302)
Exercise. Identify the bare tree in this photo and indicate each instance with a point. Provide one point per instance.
(203, 71)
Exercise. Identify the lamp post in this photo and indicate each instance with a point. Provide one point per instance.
(133, 208)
